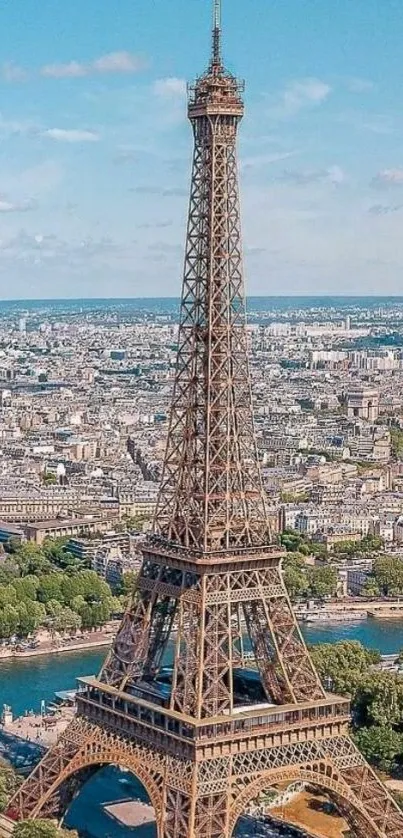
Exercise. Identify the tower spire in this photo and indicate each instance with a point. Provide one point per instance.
(216, 55)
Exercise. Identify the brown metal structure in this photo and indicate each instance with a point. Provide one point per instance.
(207, 735)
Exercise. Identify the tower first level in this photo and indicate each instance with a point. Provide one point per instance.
(201, 776)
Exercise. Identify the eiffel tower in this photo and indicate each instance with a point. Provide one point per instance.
(206, 735)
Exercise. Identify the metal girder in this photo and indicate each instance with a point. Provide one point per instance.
(211, 491)
(204, 609)
(205, 799)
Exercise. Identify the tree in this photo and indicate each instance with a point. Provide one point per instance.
(343, 666)
(8, 595)
(86, 583)
(128, 582)
(388, 573)
(9, 621)
(49, 478)
(30, 559)
(55, 550)
(12, 544)
(295, 575)
(9, 782)
(50, 588)
(135, 522)
(9, 571)
(291, 540)
(396, 437)
(66, 620)
(381, 746)
(322, 581)
(30, 616)
(53, 607)
(41, 829)
(26, 588)
(115, 606)
(77, 604)
(379, 700)
(371, 588)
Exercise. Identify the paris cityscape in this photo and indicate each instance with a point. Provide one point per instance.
(201, 499)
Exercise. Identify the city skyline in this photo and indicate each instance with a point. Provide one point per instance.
(95, 166)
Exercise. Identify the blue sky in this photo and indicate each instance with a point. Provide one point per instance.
(95, 148)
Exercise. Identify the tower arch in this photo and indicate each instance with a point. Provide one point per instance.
(323, 777)
(97, 750)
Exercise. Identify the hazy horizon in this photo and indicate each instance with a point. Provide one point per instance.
(177, 297)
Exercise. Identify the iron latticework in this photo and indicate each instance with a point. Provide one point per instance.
(209, 694)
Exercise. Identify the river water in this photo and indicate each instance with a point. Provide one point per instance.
(26, 682)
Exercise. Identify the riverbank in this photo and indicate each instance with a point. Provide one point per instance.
(91, 640)
(25, 681)
(350, 609)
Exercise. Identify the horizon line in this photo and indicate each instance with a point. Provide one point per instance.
(323, 296)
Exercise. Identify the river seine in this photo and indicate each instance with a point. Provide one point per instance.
(26, 682)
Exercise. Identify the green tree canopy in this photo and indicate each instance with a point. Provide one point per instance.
(50, 588)
(41, 829)
(26, 588)
(66, 620)
(9, 782)
(295, 575)
(322, 581)
(388, 573)
(8, 595)
(379, 699)
(381, 746)
(343, 664)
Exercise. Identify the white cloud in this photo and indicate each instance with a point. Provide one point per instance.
(118, 62)
(301, 239)
(336, 175)
(381, 209)
(11, 72)
(389, 177)
(35, 181)
(374, 123)
(72, 135)
(304, 93)
(11, 127)
(357, 85)
(170, 87)
(72, 70)
(12, 206)
(262, 160)
(333, 174)
(114, 62)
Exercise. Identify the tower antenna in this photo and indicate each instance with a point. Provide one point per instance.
(216, 58)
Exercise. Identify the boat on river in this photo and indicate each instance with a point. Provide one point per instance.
(332, 616)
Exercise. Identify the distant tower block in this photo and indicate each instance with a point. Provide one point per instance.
(347, 323)
(363, 404)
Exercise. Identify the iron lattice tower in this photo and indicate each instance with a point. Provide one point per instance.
(207, 735)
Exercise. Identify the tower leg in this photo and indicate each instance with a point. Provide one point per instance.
(195, 816)
(332, 766)
(81, 750)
